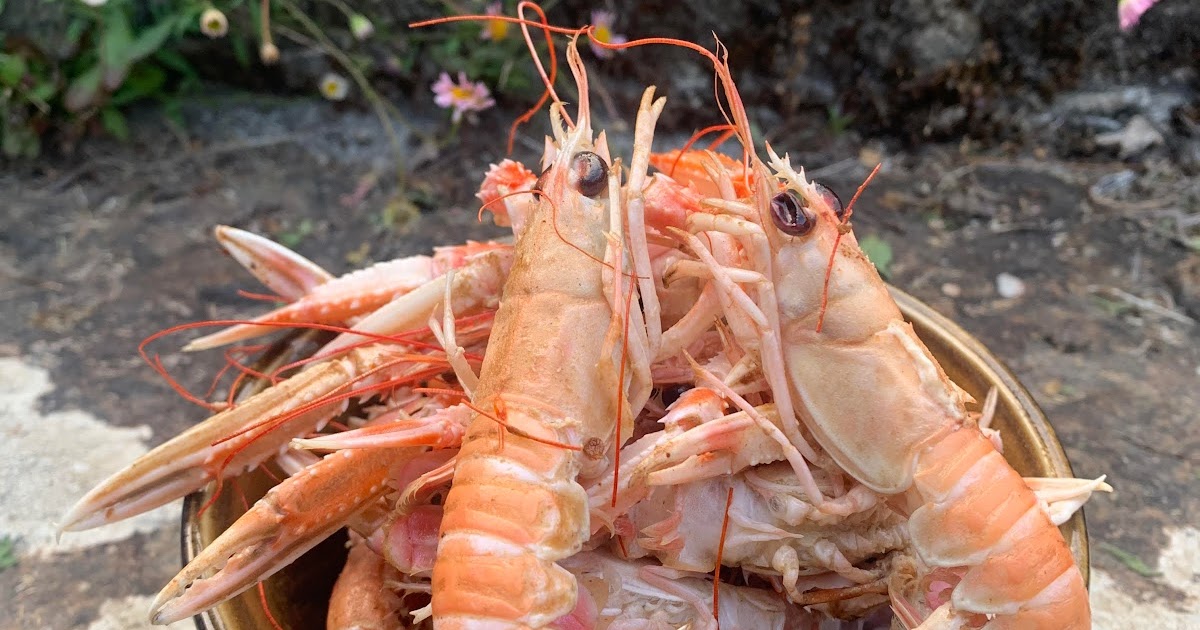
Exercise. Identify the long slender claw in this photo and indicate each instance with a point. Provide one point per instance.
(292, 518)
(335, 302)
(444, 429)
(282, 270)
(206, 451)
(341, 300)
(477, 284)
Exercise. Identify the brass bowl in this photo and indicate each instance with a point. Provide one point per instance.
(298, 595)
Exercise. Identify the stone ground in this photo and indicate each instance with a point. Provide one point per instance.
(103, 249)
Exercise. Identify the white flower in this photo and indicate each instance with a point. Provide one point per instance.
(334, 86)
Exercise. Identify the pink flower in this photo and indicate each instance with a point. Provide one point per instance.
(1130, 11)
(494, 30)
(603, 21)
(463, 96)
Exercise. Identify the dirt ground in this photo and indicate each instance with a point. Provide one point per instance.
(102, 249)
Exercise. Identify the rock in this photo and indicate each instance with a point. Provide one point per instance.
(1187, 155)
(1009, 286)
(1114, 185)
(1137, 136)
(950, 40)
(41, 23)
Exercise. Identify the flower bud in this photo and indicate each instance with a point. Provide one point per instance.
(268, 53)
(361, 27)
(213, 23)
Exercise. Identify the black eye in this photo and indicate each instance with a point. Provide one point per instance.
(790, 216)
(540, 184)
(589, 173)
(832, 200)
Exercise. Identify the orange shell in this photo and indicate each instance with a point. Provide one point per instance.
(689, 169)
(508, 176)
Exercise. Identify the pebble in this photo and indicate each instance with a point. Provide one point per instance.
(952, 290)
(1009, 286)
(1137, 136)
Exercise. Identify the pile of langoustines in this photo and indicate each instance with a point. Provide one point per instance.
(676, 401)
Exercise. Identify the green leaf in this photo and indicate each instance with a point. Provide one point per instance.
(43, 91)
(172, 110)
(172, 60)
(115, 38)
(1130, 560)
(114, 123)
(75, 31)
(19, 140)
(12, 69)
(149, 41)
(116, 41)
(292, 238)
(8, 544)
(878, 251)
(241, 52)
(838, 121)
(82, 91)
(145, 80)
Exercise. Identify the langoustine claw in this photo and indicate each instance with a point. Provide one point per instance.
(316, 296)
(291, 519)
(231, 442)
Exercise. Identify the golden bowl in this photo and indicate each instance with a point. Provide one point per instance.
(298, 595)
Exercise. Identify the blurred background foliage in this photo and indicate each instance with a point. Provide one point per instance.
(916, 69)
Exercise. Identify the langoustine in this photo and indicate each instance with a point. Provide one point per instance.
(778, 369)
(549, 397)
(834, 346)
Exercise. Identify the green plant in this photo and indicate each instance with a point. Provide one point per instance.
(1130, 560)
(119, 52)
(26, 91)
(839, 121)
(8, 552)
(878, 251)
(493, 56)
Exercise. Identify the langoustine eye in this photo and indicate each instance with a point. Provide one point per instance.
(540, 184)
(831, 199)
(790, 215)
(589, 173)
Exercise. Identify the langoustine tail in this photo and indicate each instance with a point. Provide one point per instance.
(983, 522)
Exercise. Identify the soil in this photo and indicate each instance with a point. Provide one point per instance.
(102, 248)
